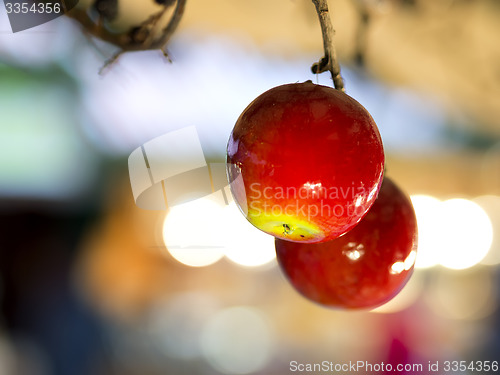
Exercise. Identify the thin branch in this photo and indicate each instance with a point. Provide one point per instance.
(138, 38)
(90, 27)
(329, 62)
(169, 30)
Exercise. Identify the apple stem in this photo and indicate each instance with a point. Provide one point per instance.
(329, 62)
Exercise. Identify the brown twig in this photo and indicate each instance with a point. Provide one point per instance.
(138, 38)
(329, 62)
(169, 30)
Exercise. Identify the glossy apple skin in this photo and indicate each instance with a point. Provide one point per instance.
(364, 268)
(305, 162)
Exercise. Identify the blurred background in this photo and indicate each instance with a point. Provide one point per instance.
(89, 283)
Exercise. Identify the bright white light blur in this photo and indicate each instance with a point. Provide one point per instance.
(397, 267)
(405, 265)
(193, 232)
(201, 232)
(427, 211)
(355, 254)
(456, 233)
(466, 234)
(237, 340)
(410, 260)
(491, 204)
(245, 244)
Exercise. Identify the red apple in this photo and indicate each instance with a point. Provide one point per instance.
(305, 162)
(364, 268)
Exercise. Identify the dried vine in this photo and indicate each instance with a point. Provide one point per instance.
(329, 62)
(138, 38)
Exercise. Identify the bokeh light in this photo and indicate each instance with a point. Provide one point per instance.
(456, 233)
(466, 232)
(246, 245)
(428, 221)
(201, 232)
(238, 340)
(193, 232)
(491, 205)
